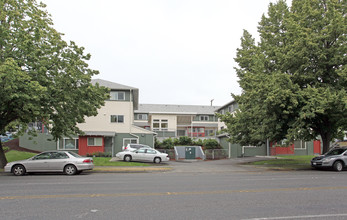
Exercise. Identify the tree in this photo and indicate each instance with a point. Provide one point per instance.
(42, 78)
(294, 80)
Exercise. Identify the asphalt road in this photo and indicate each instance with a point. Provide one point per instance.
(198, 190)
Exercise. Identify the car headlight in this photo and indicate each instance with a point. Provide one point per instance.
(328, 159)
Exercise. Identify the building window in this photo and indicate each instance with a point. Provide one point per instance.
(70, 144)
(196, 131)
(300, 144)
(117, 118)
(156, 125)
(94, 141)
(142, 117)
(204, 118)
(164, 125)
(127, 141)
(231, 108)
(209, 132)
(160, 125)
(119, 96)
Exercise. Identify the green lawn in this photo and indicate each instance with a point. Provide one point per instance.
(287, 162)
(105, 161)
(14, 155)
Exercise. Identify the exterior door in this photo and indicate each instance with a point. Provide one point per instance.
(190, 152)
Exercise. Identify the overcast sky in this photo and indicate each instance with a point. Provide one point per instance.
(173, 51)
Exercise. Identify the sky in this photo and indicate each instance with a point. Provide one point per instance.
(173, 51)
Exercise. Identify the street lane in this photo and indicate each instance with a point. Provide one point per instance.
(176, 195)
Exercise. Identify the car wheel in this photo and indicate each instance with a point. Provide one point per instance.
(18, 170)
(157, 160)
(70, 169)
(127, 158)
(338, 166)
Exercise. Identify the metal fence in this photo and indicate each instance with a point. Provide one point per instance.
(213, 154)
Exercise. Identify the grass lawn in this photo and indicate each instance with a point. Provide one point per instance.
(14, 155)
(105, 161)
(287, 162)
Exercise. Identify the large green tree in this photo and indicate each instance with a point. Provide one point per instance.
(294, 79)
(42, 77)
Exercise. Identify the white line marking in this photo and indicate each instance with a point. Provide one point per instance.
(299, 217)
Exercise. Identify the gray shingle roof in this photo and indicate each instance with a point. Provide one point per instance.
(117, 86)
(177, 109)
(112, 85)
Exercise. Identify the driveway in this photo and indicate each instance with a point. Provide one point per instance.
(214, 166)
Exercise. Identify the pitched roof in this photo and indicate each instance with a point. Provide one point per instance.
(177, 109)
(117, 86)
(112, 85)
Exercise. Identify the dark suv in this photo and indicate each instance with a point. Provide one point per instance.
(336, 158)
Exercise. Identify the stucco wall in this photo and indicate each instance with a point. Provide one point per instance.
(102, 122)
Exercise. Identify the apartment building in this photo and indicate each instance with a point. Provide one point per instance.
(177, 120)
(112, 128)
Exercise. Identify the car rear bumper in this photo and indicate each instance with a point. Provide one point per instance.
(87, 166)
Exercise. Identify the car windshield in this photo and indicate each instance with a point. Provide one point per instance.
(74, 154)
(336, 151)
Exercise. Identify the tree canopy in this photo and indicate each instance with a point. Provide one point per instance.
(294, 79)
(42, 77)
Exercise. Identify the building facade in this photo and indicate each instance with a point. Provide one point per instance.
(112, 128)
(177, 120)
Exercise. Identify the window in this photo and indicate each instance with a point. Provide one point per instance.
(141, 151)
(43, 156)
(156, 125)
(117, 95)
(150, 151)
(160, 124)
(300, 144)
(127, 141)
(94, 141)
(231, 108)
(70, 144)
(209, 132)
(59, 155)
(204, 118)
(142, 117)
(117, 118)
(164, 125)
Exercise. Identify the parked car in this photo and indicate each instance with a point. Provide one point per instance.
(143, 154)
(66, 162)
(336, 158)
(132, 147)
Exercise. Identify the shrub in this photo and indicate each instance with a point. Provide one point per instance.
(185, 141)
(167, 144)
(100, 154)
(211, 144)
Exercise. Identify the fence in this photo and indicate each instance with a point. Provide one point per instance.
(213, 154)
(216, 154)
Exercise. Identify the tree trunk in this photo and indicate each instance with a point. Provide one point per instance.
(326, 138)
(3, 160)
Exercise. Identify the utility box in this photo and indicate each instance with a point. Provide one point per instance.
(189, 153)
